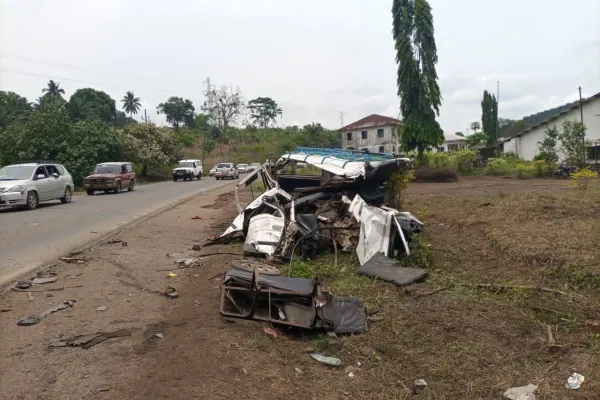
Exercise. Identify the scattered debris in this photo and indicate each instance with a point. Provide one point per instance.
(88, 341)
(61, 306)
(521, 393)
(74, 260)
(102, 308)
(418, 386)
(30, 296)
(3, 310)
(172, 275)
(270, 332)
(552, 346)
(41, 281)
(196, 247)
(593, 326)
(170, 292)
(188, 262)
(298, 370)
(94, 232)
(51, 379)
(23, 285)
(124, 244)
(323, 359)
(102, 388)
(196, 217)
(575, 381)
(382, 267)
(351, 370)
(28, 321)
(114, 240)
(159, 335)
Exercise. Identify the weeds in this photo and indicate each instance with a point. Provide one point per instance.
(581, 179)
(398, 183)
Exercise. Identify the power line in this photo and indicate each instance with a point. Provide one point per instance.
(83, 69)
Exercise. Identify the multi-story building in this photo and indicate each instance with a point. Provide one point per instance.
(375, 133)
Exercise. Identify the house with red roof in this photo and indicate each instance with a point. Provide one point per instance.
(375, 133)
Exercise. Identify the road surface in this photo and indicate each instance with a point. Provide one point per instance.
(29, 238)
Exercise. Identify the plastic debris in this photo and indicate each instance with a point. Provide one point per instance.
(418, 386)
(323, 359)
(521, 393)
(170, 292)
(28, 321)
(270, 332)
(575, 381)
(196, 217)
(159, 335)
(172, 275)
(41, 281)
(102, 308)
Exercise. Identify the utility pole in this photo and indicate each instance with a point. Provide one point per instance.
(342, 118)
(580, 105)
(582, 127)
(145, 116)
(497, 119)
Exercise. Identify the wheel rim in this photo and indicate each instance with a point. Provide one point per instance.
(68, 195)
(118, 187)
(32, 200)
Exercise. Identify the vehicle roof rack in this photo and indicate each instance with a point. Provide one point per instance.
(351, 155)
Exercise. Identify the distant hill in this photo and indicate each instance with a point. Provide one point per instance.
(509, 127)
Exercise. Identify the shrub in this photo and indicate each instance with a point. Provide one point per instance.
(582, 178)
(497, 166)
(541, 167)
(398, 183)
(525, 170)
(430, 174)
(435, 160)
(463, 160)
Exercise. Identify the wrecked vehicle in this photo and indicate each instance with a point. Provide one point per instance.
(342, 209)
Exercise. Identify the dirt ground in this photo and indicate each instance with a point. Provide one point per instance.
(466, 343)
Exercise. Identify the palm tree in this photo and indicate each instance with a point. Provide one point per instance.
(53, 89)
(131, 104)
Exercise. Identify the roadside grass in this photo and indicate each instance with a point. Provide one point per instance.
(470, 341)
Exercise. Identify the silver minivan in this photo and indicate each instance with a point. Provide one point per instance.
(227, 171)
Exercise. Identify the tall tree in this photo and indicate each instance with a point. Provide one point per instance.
(53, 89)
(489, 117)
(131, 104)
(224, 105)
(92, 104)
(13, 109)
(177, 111)
(459, 134)
(416, 56)
(264, 111)
(475, 126)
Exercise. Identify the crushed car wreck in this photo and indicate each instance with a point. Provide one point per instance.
(300, 216)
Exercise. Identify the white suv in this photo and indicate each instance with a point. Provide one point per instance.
(188, 169)
(26, 185)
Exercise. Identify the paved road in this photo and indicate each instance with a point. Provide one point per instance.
(39, 236)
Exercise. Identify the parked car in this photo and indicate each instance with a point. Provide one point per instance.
(188, 169)
(243, 168)
(26, 185)
(212, 171)
(254, 166)
(227, 171)
(110, 177)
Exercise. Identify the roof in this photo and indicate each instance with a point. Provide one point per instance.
(371, 121)
(450, 137)
(552, 118)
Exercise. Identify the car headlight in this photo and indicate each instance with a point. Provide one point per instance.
(110, 180)
(18, 188)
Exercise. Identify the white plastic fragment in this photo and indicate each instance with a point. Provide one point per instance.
(335, 362)
(521, 393)
(575, 381)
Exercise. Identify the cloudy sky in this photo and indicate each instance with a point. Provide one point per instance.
(315, 57)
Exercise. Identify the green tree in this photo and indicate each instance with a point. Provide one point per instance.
(177, 111)
(92, 104)
(53, 89)
(13, 109)
(459, 134)
(547, 146)
(131, 104)
(223, 105)
(123, 119)
(489, 115)
(416, 55)
(574, 145)
(150, 146)
(477, 139)
(264, 111)
(475, 126)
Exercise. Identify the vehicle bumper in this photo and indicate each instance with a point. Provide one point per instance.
(183, 175)
(12, 199)
(218, 175)
(100, 186)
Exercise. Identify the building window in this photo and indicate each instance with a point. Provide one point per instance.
(380, 133)
(348, 135)
(364, 135)
(441, 149)
(381, 149)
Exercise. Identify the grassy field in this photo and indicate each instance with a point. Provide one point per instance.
(509, 261)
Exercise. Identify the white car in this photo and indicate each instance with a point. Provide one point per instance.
(254, 166)
(212, 171)
(26, 185)
(243, 168)
(226, 171)
(188, 169)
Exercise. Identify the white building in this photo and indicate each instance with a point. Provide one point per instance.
(525, 143)
(375, 133)
(452, 142)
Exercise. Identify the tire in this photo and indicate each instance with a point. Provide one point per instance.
(200, 176)
(67, 197)
(90, 192)
(118, 189)
(32, 200)
(131, 187)
(174, 179)
(106, 191)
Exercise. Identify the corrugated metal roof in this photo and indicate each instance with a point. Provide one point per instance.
(372, 121)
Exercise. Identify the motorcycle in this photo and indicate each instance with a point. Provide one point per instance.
(565, 170)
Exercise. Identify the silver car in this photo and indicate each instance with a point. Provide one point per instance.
(227, 171)
(26, 185)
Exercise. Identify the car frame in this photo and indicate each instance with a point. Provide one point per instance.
(107, 182)
(227, 170)
(47, 181)
(195, 170)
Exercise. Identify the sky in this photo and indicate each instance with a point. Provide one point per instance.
(316, 58)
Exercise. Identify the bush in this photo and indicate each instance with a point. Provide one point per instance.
(398, 183)
(441, 174)
(582, 178)
(497, 166)
(435, 160)
(463, 160)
